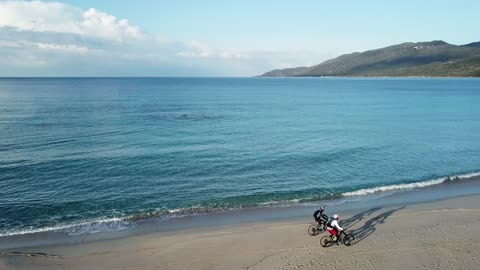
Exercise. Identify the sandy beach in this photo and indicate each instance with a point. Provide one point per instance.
(436, 235)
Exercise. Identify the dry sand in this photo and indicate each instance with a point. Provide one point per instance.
(437, 235)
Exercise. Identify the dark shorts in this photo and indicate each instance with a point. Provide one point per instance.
(320, 221)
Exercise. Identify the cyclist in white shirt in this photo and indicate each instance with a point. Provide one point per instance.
(334, 228)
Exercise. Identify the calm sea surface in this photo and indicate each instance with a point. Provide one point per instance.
(112, 151)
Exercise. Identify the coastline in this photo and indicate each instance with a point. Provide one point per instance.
(399, 236)
(399, 194)
(326, 157)
(373, 77)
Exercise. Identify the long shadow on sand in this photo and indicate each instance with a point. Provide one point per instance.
(349, 222)
(370, 225)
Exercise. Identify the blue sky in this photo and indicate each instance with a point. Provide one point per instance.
(213, 38)
(308, 23)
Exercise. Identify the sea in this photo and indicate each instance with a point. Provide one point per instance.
(80, 156)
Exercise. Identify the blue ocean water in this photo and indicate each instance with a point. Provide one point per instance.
(83, 151)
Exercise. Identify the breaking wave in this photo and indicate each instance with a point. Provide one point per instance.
(408, 186)
(112, 224)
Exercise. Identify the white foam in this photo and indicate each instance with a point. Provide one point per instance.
(76, 227)
(176, 210)
(279, 203)
(437, 181)
(60, 227)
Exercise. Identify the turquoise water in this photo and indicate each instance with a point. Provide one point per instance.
(112, 151)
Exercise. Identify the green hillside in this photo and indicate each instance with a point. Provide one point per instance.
(430, 59)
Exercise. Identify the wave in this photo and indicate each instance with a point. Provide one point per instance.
(110, 224)
(62, 227)
(408, 186)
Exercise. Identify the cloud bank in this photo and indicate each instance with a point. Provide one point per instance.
(55, 39)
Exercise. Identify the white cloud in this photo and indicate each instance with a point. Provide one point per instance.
(10, 44)
(197, 49)
(52, 38)
(62, 48)
(45, 46)
(41, 16)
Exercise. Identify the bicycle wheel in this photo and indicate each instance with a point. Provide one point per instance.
(326, 241)
(348, 239)
(313, 230)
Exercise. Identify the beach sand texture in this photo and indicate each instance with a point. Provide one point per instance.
(436, 235)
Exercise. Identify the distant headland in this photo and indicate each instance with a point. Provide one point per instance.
(422, 59)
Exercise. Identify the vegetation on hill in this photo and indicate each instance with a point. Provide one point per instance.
(429, 59)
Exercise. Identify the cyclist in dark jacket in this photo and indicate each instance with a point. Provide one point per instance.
(319, 216)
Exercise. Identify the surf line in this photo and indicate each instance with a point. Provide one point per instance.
(39, 254)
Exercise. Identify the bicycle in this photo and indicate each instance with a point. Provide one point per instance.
(346, 238)
(315, 229)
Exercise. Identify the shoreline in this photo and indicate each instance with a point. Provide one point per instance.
(379, 77)
(395, 236)
(414, 193)
(237, 77)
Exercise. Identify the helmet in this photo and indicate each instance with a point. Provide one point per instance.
(336, 216)
(322, 208)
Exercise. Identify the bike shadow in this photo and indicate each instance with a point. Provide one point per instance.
(370, 225)
(349, 222)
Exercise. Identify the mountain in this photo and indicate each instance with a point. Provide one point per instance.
(431, 59)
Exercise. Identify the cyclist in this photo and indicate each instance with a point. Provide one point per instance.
(334, 228)
(319, 216)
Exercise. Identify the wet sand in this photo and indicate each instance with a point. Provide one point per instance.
(436, 235)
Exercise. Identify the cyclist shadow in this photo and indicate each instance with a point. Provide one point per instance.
(370, 225)
(349, 222)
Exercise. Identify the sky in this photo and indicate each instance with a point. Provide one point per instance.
(213, 38)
